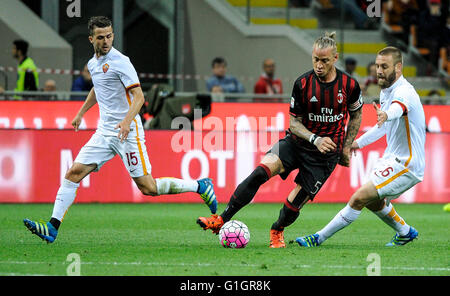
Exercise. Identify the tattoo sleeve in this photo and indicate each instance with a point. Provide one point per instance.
(296, 126)
(353, 127)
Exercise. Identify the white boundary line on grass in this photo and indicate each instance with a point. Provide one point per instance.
(239, 264)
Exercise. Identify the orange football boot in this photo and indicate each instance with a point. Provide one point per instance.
(214, 223)
(277, 239)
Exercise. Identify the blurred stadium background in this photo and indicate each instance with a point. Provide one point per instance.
(172, 44)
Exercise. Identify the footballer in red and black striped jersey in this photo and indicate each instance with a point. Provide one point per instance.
(324, 106)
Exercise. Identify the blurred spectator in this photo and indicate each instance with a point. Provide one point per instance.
(49, 86)
(370, 88)
(27, 75)
(267, 84)
(220, 81)
(358, 15)
(431, 28)
(82, 83)
(350, 68)
(350, 65)
(402, 13)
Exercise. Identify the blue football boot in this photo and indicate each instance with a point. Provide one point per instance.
(206, 191)
(308, 241)
(45, 231)
(399, 240)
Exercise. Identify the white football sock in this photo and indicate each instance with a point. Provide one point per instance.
(344, 218)
(174, 186)
(64, 198)
(391, 218)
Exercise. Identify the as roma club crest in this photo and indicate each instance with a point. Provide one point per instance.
(340, 97)
(105, 68)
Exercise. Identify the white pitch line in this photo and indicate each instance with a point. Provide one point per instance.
(242, 265)
(21, 274)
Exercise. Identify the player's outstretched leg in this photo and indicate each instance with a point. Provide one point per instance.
(64, 199)
(45, 231)
(169, 185)
(387, 213)
(344, 218)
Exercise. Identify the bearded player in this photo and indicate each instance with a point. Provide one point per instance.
(401, 118)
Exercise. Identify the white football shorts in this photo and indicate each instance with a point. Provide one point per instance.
(391, 178)
(99, 149)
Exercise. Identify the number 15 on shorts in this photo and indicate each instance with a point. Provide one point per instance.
(132, 159)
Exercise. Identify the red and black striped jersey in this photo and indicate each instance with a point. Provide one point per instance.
(324, 107)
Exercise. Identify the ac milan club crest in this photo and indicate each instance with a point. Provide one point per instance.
(340, 97)
(105, 68)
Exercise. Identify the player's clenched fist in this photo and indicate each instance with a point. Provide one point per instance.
(325, 145)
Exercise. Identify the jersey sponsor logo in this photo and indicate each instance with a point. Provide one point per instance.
(313, 99)
(105, 68)
(292, 102)
(325, 116)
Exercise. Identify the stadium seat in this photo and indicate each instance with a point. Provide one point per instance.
(414, 42)
(444, 61)
(387, 24)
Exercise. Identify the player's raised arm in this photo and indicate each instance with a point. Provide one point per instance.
(136, 105)
(90, 101)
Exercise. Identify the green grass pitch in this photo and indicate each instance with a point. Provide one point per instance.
(163, 239)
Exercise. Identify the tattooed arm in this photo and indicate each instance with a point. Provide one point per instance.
(352, 130)
(324, 144)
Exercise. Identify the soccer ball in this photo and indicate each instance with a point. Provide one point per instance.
(234, 234)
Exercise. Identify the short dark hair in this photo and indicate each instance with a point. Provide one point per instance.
(394, 52)
(350, 61)
(21, 45)
(218, 60)
(98, 22)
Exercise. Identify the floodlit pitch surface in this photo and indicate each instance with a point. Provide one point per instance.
(163, 239)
